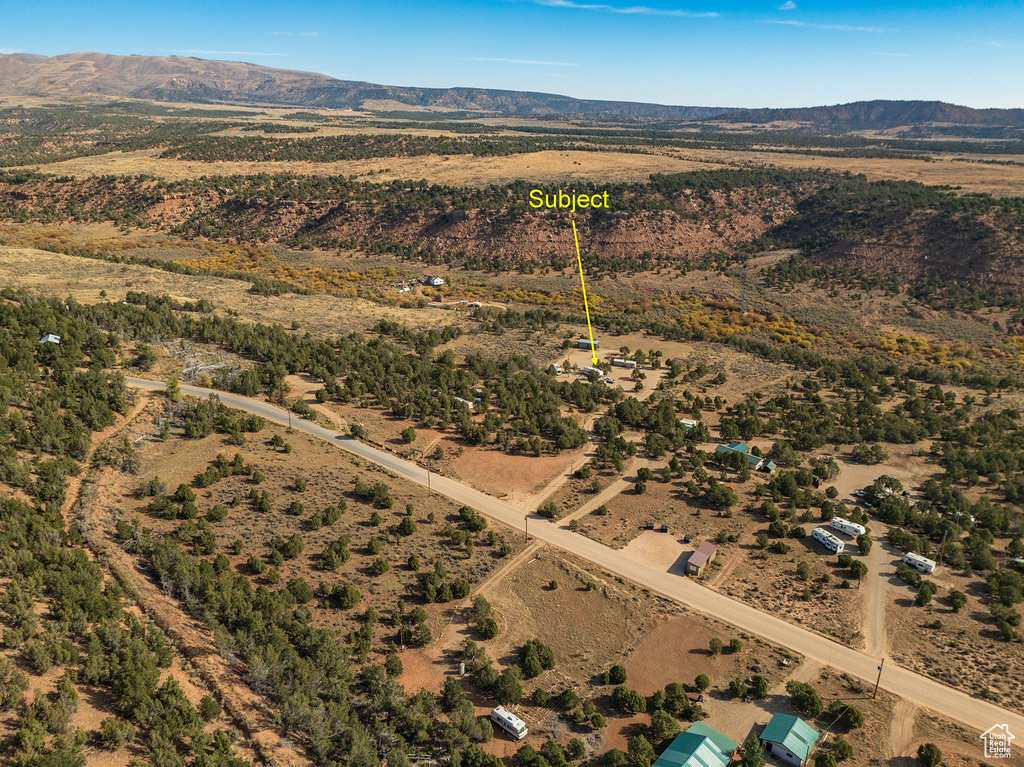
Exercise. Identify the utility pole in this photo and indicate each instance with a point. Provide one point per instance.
(942, 548)
(526, 518)
(428, 481)
(879, 679)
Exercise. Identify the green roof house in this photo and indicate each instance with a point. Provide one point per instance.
(790, 738)
(699, 746)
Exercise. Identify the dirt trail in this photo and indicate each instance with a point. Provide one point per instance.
(874, 587)
(901, 729)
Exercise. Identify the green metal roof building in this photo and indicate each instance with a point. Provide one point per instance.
(699, 746)
(790, 738)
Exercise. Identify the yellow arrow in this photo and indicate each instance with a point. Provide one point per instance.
(579, 262)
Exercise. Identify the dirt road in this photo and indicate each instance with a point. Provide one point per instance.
(916, 688)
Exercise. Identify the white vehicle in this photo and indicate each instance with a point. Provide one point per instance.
(919, 563)
(558, 369)
(846, 526)
(509, 722)
(859, 493)
(829, 541)
(588, 370)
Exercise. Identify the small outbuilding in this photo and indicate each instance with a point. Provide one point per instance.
(789, 738)
(585, 343)
(701, 558)
(699, 746)
(50, 338)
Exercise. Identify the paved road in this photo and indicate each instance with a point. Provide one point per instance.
(916, 688)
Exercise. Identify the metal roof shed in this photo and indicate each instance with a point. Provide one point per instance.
(790, 738)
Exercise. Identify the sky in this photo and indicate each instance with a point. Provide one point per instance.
(779, 53)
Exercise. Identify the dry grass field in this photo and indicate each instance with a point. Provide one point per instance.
(554, 166)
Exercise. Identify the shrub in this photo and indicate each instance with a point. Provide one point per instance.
(702, 683)
(929, 755)
(715, 645)
(629, 700)
(209, 709)
(738, 688)
(115, 733)
(379, 566)
(617, 674)
(301, 590)
(804, 698)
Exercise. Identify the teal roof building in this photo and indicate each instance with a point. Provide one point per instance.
(699, 746)
(790, 738)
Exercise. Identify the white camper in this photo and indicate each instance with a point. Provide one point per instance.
(919, 563)
(846, 526)
(509, 722)
(829, 541)
(623, 363)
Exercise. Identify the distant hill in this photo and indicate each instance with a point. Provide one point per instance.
(865, 115)
(186, 79)
(178, 78)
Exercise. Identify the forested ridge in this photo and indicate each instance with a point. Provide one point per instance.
(907, 233)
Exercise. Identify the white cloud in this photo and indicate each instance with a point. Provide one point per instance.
(523, 61)
(789, 5)
(638, 10)
(10, 50)
(837, 27)
(191, 52)
(898, 55)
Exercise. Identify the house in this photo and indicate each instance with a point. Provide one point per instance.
(701, 558)
(770, 467)
(585, 343)
(50, 338)
(790, 738)
(699, 746)
(434, 282)
(997, 741)
(755, 462)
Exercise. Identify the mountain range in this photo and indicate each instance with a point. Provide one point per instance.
(186, 79)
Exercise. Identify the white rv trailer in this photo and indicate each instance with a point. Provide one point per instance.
(846, 526)
(509, 722)
(919, 563)
(588, 370)
(829, 541)
(623, 363)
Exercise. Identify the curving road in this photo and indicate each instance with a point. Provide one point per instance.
(914, 687)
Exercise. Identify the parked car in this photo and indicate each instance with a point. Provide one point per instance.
(687, 538)
(859, 493)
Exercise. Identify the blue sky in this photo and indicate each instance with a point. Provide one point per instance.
(692, 52)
